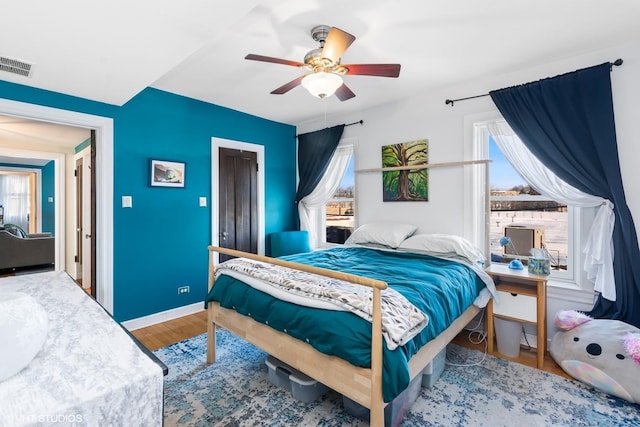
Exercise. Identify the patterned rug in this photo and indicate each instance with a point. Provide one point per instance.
(236, 391)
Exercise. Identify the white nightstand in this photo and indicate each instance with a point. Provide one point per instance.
(522, 298)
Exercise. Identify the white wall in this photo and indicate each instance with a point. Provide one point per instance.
(427, 116)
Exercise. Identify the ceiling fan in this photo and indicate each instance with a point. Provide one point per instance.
(324, 63)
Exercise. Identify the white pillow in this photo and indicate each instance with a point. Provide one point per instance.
(443, 244)
(385, 234)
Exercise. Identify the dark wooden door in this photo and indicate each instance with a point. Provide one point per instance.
(238, 224)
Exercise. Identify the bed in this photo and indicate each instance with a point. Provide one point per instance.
(343, 350)
(88, 371)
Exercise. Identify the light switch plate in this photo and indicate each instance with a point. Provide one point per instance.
(127, 202)
(203, 202)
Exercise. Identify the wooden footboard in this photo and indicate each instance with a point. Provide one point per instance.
(362, 385)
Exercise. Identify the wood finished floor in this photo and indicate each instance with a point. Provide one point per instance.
(166, 333)
(173, 331)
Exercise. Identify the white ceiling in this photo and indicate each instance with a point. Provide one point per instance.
(18, 132)
(110, 51)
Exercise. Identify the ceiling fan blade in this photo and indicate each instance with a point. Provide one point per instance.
(336, 43)
(343, 93)
(262, 58)
(288, 86)
(377, 70)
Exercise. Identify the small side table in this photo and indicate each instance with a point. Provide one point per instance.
(522, 298)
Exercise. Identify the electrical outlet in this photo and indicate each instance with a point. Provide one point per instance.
(183, 290)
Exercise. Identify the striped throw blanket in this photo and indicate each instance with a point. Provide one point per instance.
(401, 320)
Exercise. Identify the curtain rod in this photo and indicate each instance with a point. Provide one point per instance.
(617, 63)
(348, 124)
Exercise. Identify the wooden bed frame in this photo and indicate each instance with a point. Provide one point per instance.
(362, 385)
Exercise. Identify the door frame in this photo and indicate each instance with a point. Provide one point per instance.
(104, 185)
(216, 144)
(79, 188)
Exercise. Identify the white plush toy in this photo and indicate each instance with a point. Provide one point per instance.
(603, 353)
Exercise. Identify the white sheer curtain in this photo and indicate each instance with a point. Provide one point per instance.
(14, 198)
(599, 247)
(309, 208)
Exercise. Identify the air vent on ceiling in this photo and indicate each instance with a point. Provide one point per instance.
(15, 66)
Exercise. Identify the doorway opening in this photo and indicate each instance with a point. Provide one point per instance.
(103, 127)
(85, 224)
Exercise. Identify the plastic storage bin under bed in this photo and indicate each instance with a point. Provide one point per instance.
(306, 389)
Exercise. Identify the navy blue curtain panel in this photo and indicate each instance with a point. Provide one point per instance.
(567, 122)
(315, 150)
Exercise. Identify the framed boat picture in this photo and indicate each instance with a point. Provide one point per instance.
(164, 173)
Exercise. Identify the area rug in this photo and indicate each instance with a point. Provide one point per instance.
(236, 391)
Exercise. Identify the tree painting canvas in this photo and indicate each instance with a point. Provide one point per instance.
(407, 184)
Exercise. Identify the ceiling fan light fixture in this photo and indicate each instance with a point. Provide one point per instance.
(321, 84)
(324, 65)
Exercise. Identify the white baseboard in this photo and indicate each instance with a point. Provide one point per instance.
(163, 316)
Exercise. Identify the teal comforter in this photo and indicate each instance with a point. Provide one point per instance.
(443, 289)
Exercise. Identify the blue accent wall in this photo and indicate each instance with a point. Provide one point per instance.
(84, 144)
(161, 243)
(48, 190)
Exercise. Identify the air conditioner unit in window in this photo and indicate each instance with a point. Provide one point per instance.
(523, 238)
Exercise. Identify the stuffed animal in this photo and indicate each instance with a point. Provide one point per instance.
(603, 353)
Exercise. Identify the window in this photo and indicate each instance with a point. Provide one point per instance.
(514, 209)
(529, 219)
(340, 210)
